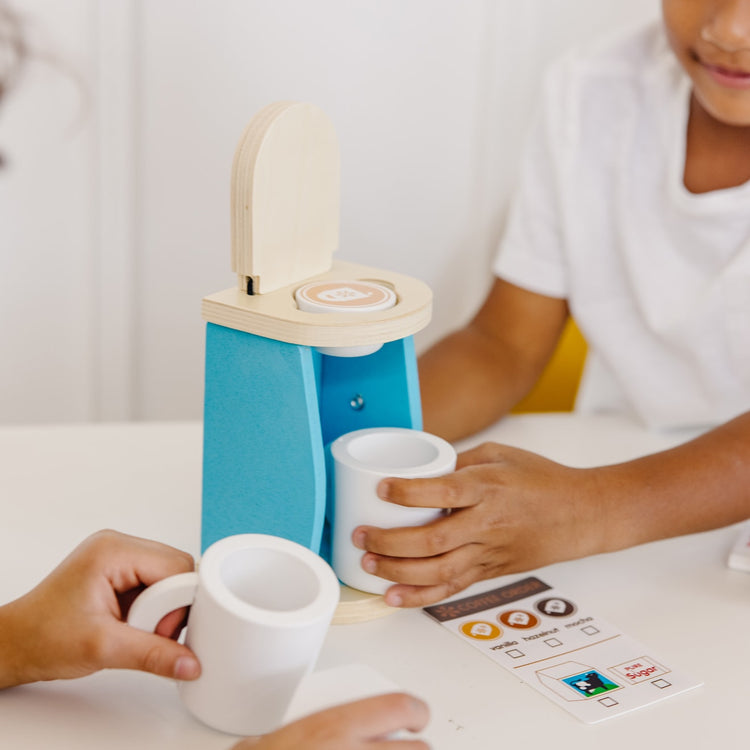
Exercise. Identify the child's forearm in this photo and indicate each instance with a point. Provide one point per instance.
(11, 648)
(476, 375)
(700, 485)
(463, 385)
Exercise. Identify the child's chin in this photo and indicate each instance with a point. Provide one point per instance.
(731, 107)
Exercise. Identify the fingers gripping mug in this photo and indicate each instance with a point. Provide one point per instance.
(360, 460)
(261, 607)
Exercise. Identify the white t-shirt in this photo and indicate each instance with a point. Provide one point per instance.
(657, 278)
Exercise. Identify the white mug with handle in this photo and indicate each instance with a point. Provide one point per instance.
(260, 610)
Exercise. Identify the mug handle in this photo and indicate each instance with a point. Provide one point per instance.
(161, 598)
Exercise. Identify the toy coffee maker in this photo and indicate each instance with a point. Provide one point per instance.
(305, 348)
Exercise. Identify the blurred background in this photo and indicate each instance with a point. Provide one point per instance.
(117, 141)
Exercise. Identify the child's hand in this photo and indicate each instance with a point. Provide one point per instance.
(71, 624)
(352, 726)
(511, 510)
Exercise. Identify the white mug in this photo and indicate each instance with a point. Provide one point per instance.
(261, 607)
(360, 460)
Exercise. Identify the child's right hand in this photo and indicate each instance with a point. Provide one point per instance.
(353, 726)
(73, 622)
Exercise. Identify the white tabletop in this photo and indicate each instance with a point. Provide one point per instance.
(58, 484)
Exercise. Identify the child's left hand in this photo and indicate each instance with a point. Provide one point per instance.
(72, 623)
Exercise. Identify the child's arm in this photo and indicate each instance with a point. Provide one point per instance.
(514, 511)
(71, 624)
(353, 726)
(474, 376)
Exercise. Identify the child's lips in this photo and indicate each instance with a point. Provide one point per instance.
(729, 77)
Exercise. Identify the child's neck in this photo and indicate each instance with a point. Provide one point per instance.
(717, 155)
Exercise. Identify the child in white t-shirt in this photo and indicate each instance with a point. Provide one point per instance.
(633, 215)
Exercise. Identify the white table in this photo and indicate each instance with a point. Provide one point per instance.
(58, 484)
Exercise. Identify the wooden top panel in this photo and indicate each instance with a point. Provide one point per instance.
(275, 315)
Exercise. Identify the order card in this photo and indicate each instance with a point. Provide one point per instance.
(576, 659)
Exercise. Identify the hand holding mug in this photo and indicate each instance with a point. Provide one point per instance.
(71, 624)
(360, 460)
(261, 607)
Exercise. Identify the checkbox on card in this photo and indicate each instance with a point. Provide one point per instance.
(661, 683)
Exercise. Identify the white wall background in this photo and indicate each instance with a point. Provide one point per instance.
(114, 206)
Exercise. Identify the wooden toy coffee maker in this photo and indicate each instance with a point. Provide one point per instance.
(304, 349)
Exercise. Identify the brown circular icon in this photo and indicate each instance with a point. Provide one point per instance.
(519, 619)
(555, 607)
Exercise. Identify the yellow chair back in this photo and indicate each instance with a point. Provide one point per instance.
(557, 387)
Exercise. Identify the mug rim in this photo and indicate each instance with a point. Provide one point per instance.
(443, 462)
(322, 606)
